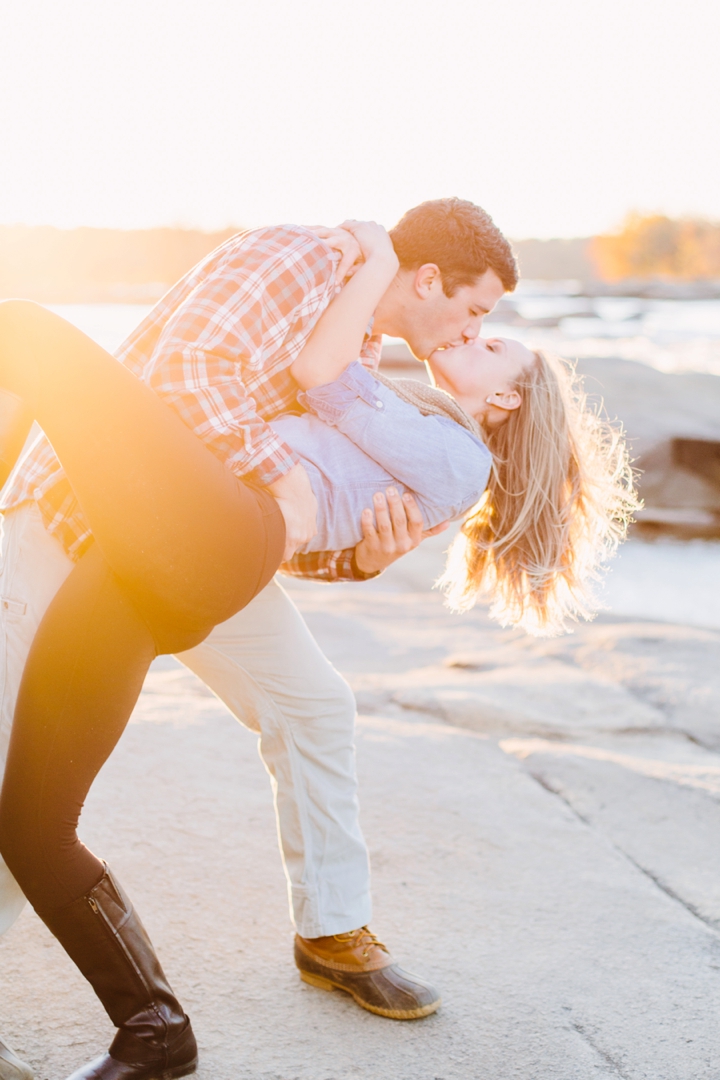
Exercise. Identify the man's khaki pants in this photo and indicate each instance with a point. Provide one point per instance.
(267, 668)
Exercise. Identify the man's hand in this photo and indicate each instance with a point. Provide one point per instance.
(394, 529)
(298, 505)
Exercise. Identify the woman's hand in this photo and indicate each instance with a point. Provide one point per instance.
(374, 242)
(344, 243)
(358, 242)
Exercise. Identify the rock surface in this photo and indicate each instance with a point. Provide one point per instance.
(543, 819)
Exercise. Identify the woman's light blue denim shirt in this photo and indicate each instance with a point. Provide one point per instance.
(359, 437)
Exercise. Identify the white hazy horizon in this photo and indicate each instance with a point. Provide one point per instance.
(557, 117)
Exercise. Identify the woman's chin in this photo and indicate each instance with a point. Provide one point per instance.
(437, 367)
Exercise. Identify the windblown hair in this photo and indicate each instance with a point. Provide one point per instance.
(459, 237)
(559, 501)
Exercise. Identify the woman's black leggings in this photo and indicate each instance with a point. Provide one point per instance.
(181, 544)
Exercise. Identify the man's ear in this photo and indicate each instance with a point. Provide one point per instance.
(428, 280)
(508, 400)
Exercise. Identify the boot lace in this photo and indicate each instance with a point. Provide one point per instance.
(362, 936)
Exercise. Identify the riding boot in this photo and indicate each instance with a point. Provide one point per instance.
(104, 937)
(15, 424)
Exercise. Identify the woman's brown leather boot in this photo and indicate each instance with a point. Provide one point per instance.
(102, 934)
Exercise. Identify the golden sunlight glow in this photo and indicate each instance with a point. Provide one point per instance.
(559, 117)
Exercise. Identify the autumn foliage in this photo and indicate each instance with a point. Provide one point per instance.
(655, 246)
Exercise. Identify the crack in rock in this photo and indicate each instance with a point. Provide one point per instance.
(607, 1058)
(710, 924)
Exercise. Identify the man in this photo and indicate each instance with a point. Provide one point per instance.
(218, 349)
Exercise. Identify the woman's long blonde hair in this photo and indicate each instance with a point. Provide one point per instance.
(559, 501)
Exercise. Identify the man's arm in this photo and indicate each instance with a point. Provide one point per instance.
(221, 357)
(394, 529)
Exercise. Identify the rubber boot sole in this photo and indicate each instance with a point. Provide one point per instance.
(392, 1014)
(178, 1071)
(107, 1066)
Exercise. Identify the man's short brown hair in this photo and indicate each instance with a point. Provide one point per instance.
(459, 237)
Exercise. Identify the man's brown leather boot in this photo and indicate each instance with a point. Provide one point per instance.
(361, 965)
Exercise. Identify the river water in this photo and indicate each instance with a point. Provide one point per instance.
(666, 579)
(670, 335)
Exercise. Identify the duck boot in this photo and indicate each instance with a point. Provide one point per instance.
(106, 940)
(362, 966)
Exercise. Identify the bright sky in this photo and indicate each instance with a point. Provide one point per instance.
(558, 116)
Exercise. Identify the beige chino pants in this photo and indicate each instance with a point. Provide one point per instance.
(267, 668)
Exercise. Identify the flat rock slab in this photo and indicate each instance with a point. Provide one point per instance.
(559, 883)
(556, 955)
(655, 799)
(654, 405)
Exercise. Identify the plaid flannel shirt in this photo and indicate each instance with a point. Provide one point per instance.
(218, 348)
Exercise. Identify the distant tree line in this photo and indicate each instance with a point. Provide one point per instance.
(555, 260)
(138, 265)
(85, 265)
(655, 246)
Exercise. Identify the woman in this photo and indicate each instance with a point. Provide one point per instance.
(210, 543)
(181, 544)
(560, 492)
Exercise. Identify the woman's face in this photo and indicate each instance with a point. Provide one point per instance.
(482, 375)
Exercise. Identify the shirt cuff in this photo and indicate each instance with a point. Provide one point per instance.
(276, 460)
(371, 353)
(332, 401)
(358, 574)
(326, 566)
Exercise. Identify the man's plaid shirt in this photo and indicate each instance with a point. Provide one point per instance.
(218, 348)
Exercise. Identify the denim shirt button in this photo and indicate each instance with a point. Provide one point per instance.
(379, 404)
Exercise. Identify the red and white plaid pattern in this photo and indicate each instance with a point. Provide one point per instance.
(217, 348)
